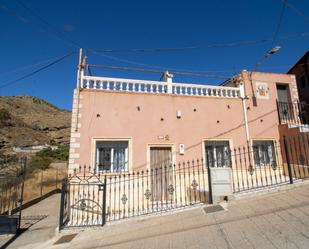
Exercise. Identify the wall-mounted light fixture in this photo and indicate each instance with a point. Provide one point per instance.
(181, 149)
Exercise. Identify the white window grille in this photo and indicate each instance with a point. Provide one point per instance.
(112, 156)
(264, 153)
(218, 153)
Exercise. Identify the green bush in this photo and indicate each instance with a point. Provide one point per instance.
(60, 154)
(37, 162)
(43, 158)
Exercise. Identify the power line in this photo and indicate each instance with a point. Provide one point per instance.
(296, 10)
(37, 70)
(156, 71)
(279, 23)
(58, 33)
(28, 66)
(157, 67)
(204, 46)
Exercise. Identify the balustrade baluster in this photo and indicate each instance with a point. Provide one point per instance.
(207, 92)
(186, 90)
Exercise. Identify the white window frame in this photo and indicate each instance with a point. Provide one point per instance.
(128, 154)
(275, 157)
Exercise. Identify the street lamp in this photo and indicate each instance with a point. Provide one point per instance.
(254, 102)
(266, 56)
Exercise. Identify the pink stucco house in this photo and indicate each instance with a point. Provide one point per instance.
(141, 146)
(121, 125)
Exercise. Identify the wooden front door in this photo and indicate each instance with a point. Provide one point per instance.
(162, 172)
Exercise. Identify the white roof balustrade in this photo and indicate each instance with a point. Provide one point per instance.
(158, 87)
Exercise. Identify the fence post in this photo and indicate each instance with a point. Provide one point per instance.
(210, 200)
(104, 202)
(300, 115)
(23, 178)
(63, 190)
(57, 178)
(288, 159)
(41, 189)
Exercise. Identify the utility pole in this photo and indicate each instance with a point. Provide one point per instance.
(79, 81)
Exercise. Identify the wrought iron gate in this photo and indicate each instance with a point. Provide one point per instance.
(83, 200)
(12, 176)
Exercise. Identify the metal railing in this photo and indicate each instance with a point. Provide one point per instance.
(91, 199)
(159, 87)
(18, 184)
(255, 167)
(11, 185)
(296, 156)
(293, 114)
(12, 176)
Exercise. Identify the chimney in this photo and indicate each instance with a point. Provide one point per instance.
(168, 77)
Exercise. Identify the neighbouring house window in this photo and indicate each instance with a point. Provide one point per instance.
(217, 153)
(264, 153)
(112, 156)
(302, 81)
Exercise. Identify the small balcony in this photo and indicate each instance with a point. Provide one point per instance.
(294, 114)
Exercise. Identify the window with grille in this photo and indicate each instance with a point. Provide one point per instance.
(302, 81)
(264, 153)
(218, 153)
(112, 156)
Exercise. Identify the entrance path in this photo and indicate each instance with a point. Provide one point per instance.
(273, 220)
(39, 224)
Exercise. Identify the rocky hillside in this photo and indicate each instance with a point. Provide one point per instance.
(28, 121)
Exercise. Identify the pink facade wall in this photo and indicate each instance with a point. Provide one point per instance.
(138, 116)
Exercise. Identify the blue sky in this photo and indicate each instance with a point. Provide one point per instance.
(27, 42)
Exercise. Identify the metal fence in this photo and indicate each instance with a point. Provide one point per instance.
(21, 187)
(296, 156)
(39, 182)
(11, 185)
(11, 194)
(256, 167)
(90, 199)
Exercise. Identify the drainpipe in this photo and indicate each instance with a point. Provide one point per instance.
(243, 100)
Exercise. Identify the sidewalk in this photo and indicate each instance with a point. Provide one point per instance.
(276, 220)
(39, 223)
